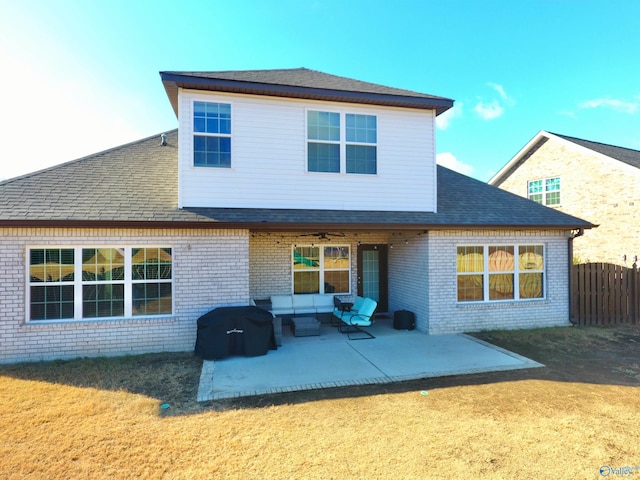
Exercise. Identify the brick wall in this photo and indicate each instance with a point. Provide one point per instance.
(409, 277)
(603, 191)
(447, 315)
(226, 267)
(422, 277)
(210, 268)
(270, 259)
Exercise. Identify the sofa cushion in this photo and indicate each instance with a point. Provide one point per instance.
(357, 305)
(303, 304)
(281, 304)
(351, 318)
(361, 318)
(368, 307)
(323, 303)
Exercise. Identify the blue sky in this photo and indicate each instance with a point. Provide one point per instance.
(78, 77)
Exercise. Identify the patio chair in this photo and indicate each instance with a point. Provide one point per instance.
(339, 307)
(357, 305)
(353, 322)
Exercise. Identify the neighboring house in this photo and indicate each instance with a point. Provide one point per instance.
(276, 182)
(595, 181)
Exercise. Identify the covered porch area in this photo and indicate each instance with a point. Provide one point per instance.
(332, 360)
(388, 266)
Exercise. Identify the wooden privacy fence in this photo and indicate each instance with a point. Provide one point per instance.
(605, 294)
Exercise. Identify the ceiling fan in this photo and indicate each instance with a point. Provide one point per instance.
(322, 235)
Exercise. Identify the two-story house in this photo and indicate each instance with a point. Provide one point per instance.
(592, 180)
(288, 182)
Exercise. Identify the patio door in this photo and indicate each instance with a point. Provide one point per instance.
(372, 274)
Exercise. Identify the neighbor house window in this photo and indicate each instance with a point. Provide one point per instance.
(500, 272)
(321, 269)
(339, 142)
(545, 191)
(99, 282)
(211, 134)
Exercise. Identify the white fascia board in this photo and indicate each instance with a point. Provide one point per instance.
(523, 151)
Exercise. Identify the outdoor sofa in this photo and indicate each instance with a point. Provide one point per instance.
(305, 304)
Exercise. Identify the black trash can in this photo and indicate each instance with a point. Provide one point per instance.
(404, 320)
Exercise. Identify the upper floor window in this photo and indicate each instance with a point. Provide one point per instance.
(333, 136)
(500, 272)
(361, 143)
(211, 134)
(323, 148)
(101, 282)
(546, 191)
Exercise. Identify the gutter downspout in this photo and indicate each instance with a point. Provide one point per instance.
(579, 233)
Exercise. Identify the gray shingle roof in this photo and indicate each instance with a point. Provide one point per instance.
(626, 155)
(136, 185)
(300, 83)
(133, 182)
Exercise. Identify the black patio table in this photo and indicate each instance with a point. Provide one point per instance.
(227, 331)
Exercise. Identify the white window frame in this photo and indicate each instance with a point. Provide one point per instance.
(359, 144)
(213, 134)
(321, 269)
(516, 272)
(545, 192)
(342, 142)
(78, 282)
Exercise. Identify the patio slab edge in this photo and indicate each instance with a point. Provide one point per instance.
(206, 388)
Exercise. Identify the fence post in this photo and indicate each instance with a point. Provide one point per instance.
(633, 294)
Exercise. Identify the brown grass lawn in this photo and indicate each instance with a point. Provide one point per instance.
(102, 418)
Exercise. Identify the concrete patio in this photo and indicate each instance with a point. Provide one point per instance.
(332, 360)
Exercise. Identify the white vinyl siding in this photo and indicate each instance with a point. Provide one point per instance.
(269, 168)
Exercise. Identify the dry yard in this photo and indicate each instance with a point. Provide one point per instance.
(103, 418)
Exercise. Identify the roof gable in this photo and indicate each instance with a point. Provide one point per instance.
(300, 83)
(625, 155)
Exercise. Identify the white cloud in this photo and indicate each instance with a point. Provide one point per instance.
(444, 120)
(449, 160)
(503, 95)
(613, 104)
(489, 111)
(494, 108)
(567, 113)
